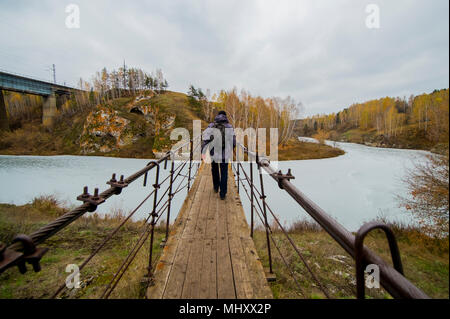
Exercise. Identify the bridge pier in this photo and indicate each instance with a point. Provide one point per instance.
(49, 109)
(4, 124)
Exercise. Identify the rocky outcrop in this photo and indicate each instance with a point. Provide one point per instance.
(108, 129)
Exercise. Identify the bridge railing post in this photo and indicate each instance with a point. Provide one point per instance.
(263, 198)
(252, 194)
(237, 175)
(154, 214)
(191, 157)
(170, 195)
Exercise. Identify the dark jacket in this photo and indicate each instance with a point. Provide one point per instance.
(230, 140)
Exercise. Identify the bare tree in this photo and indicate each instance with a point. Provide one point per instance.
(428, 186)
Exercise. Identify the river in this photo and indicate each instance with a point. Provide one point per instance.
(356, 187)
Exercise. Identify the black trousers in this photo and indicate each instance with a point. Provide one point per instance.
(220, 179)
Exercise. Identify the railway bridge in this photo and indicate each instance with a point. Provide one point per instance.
(22, 84)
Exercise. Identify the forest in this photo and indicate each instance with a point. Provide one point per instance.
(420, 121)
(245, 110)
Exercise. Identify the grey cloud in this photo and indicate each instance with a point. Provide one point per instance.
(318, 52)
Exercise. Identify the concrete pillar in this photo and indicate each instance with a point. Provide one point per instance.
(4, 124)
(49, 110)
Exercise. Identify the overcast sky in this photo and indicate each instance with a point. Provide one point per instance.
(319, 52)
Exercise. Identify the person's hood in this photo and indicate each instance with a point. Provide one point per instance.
(221, 118)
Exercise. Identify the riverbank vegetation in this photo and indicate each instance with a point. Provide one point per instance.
(294, 149)
(419, 122)
(425, 259)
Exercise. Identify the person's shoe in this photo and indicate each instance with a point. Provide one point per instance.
(216, 190)
(223, 197)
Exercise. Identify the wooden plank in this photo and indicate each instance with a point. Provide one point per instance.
(164, 266)
(209, 285)
(210, 253)
(191, 287)
(175, 282)
(208, 274)
(254, 269)
(225, 280)
(242, 283)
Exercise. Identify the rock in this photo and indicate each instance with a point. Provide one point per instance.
(104, 130)
(107, 129)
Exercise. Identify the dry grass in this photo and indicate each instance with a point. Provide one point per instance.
(297, 150)
(72, 246)
(425, 262)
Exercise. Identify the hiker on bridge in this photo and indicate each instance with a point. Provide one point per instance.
(220, 138)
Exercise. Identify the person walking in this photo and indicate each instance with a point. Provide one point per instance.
(220, 138)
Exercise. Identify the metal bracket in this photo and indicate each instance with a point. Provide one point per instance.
(93, 200)
(118, 185)
(31, 254)
(359, 253)
(280, 177)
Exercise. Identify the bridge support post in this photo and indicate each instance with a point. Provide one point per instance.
(4, 125)
(49, 110)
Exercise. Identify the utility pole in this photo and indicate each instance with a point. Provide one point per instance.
(54, 74)
(124, 75)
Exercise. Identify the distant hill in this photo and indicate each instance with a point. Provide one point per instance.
(421, 122)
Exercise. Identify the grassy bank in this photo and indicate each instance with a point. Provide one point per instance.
(408, 137)
(425, 262)
(72, 246)
(297, 150)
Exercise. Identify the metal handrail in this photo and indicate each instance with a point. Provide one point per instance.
(393, 281)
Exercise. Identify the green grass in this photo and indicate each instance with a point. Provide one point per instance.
(71, 246)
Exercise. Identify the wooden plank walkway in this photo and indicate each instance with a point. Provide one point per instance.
(210, 253)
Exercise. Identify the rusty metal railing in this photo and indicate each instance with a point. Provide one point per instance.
(391, 278)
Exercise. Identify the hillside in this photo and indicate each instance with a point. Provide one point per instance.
(122, 127)
(133, 127)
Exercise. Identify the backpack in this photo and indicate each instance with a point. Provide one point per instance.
(221, 127)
